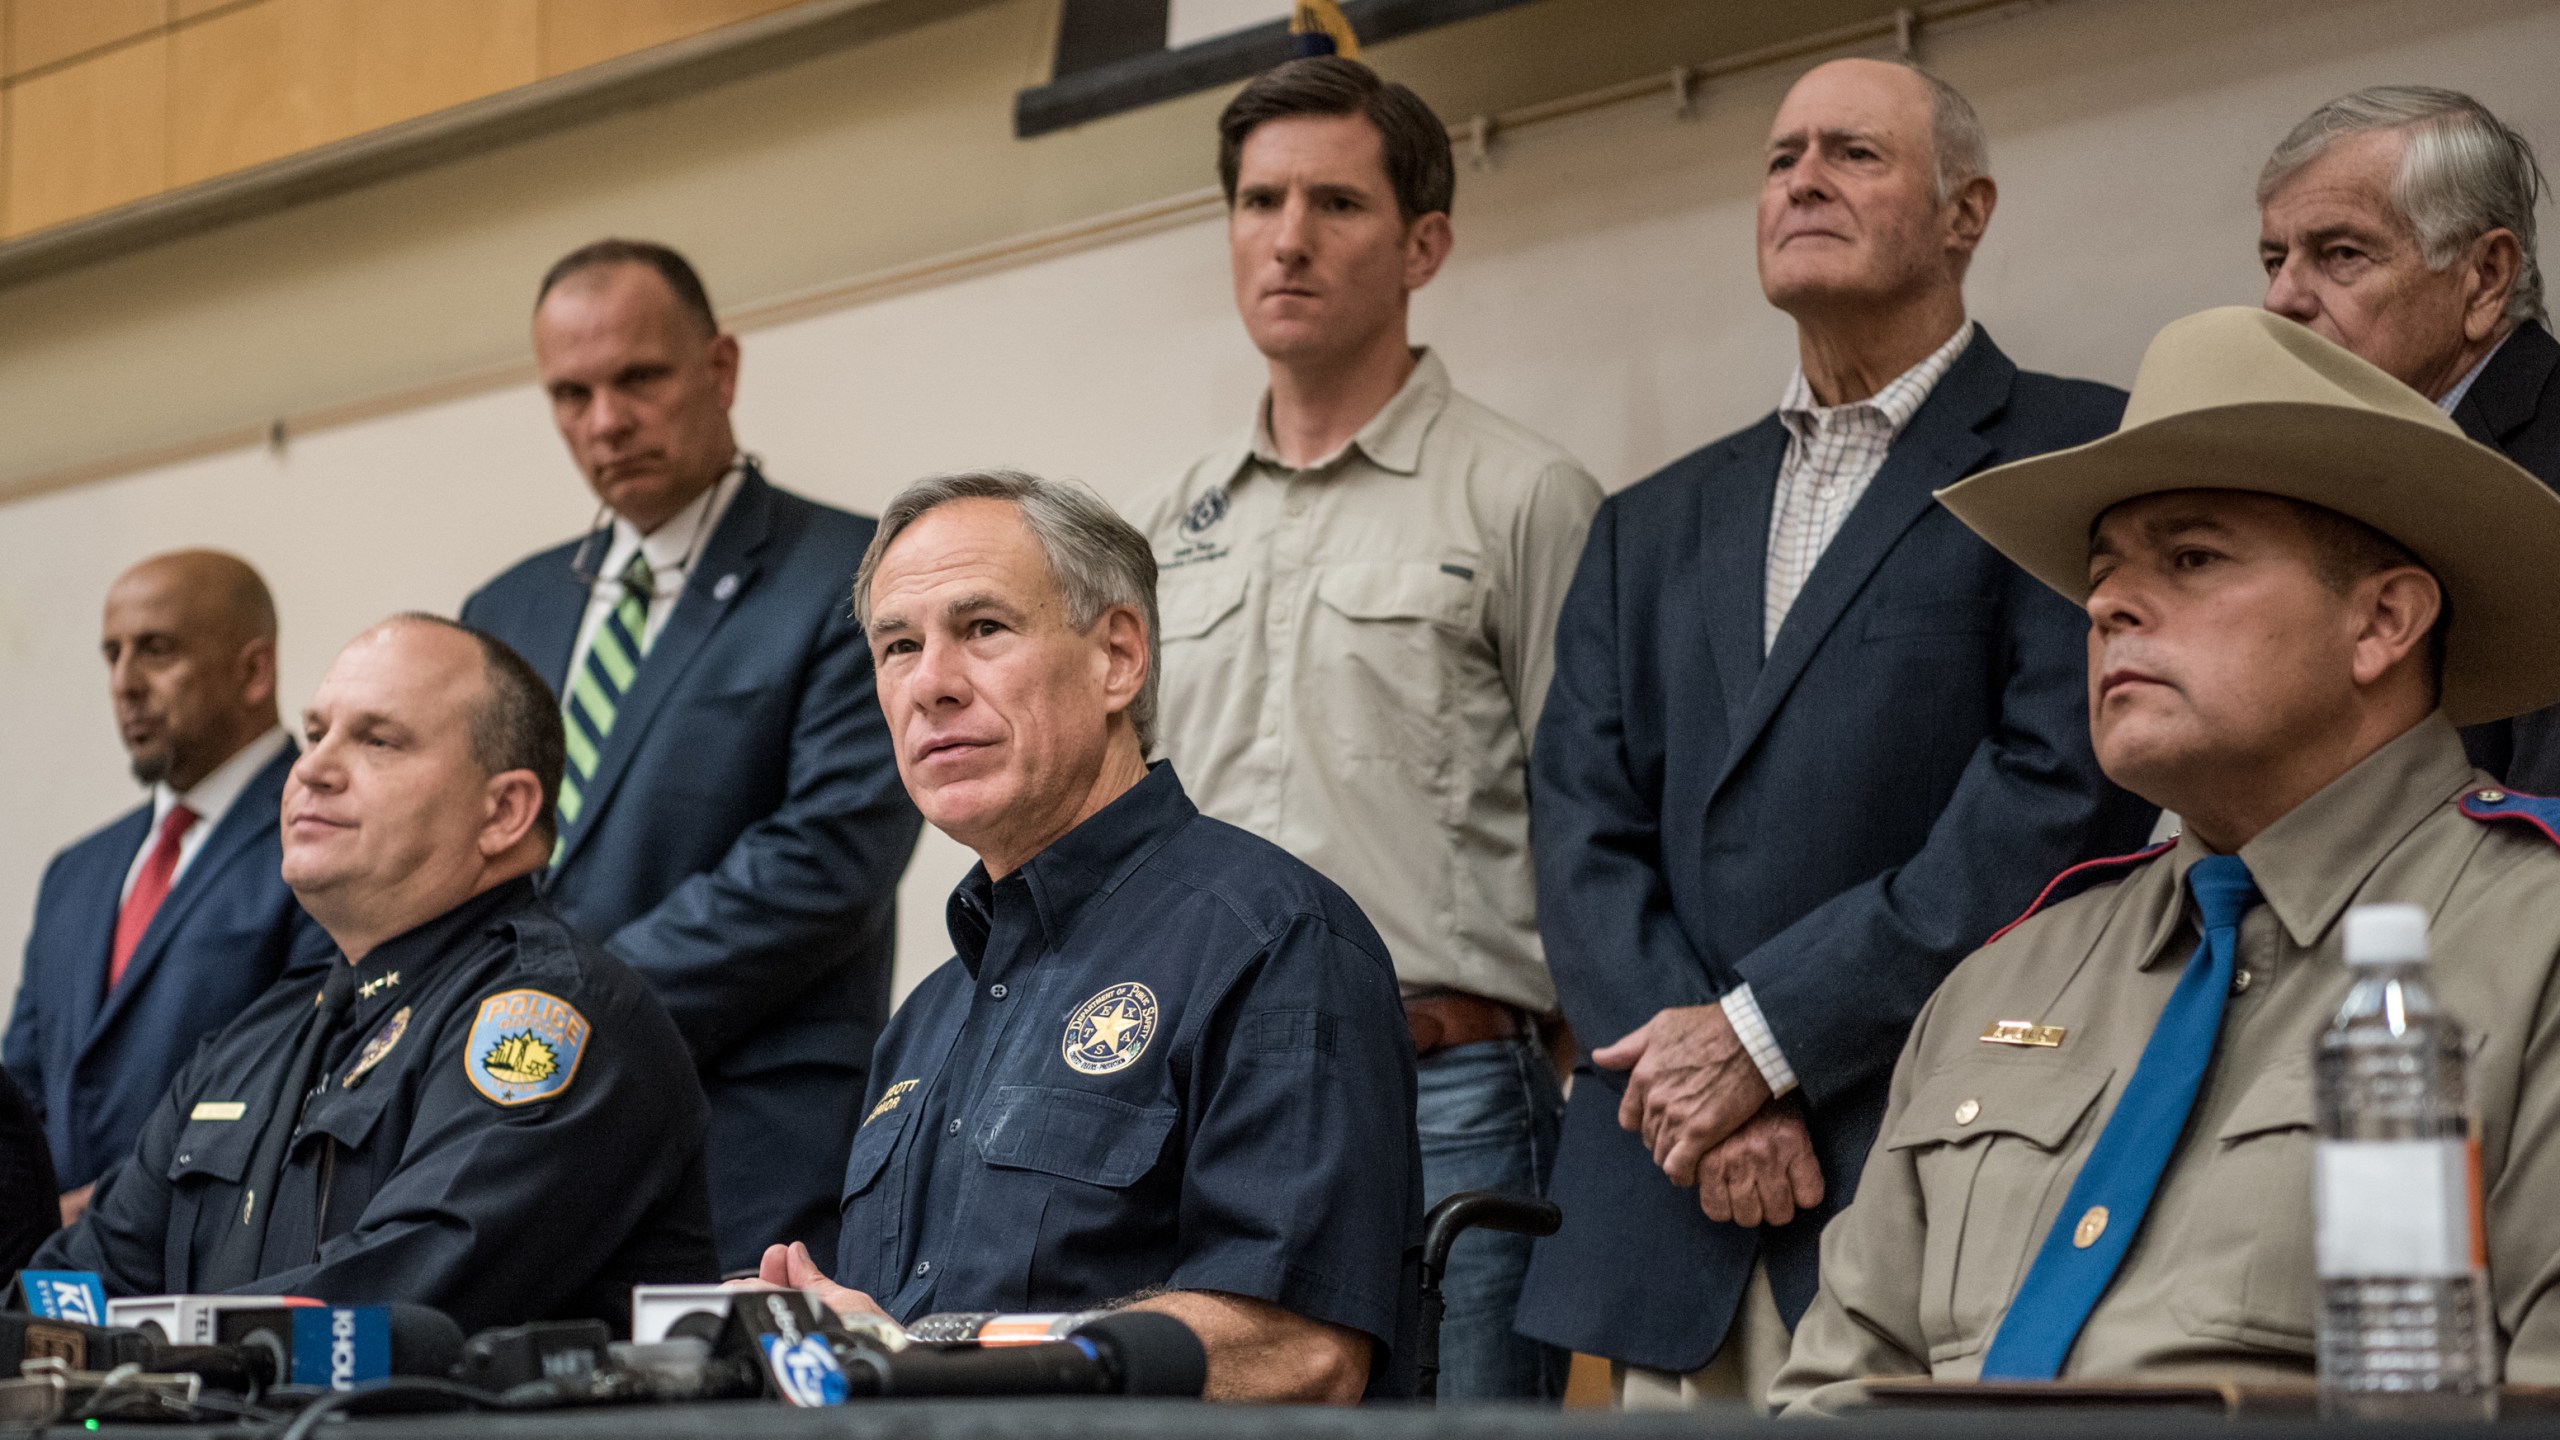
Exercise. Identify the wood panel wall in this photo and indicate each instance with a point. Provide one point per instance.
(105, 102)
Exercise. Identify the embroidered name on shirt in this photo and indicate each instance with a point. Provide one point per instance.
(889, 1100)
(218, 1110)
(2024, 1032)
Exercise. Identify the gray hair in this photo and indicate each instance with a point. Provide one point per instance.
(1955, 133)
(1097, 559)
(2463, 174)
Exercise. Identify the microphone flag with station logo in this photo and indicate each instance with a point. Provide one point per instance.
(75, 1295)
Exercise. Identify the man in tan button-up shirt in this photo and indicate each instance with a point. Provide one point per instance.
(1359, 599)
(2269, 662)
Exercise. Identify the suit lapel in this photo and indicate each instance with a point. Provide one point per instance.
(718, 581)
(551, 628)
(253, 812)
(2509, 391)
(1734, 514)
(1941, 444)
(101, 906)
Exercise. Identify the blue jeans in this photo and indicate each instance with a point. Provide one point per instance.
(1489, 1115)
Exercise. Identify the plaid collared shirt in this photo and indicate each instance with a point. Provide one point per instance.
(1833, 454)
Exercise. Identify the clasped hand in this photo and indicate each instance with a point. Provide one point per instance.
(1703, 1108)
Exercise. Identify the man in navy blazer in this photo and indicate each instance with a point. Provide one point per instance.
(732, 823)
(156, 931)
(2452, 307)
(1809, 742)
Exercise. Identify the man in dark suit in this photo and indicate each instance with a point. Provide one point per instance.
(30, 1207)
(156, 931)
(732, 826)
(1809, 743)
(2398, 221)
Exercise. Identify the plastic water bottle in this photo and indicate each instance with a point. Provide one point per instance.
(2405, 1317)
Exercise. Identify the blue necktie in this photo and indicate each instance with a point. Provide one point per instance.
(2104, 1212)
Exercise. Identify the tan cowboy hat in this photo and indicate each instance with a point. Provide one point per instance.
(2238, 399)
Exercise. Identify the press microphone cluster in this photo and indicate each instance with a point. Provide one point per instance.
(781, 1344)
(118, 1371)
(763, 1344)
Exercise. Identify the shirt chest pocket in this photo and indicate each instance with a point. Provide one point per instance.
(2244, 1236)
(1073, 1135)
(214, 1151)
(867, 1250)
(1390, 637)
(204, 1173)
(348, 1116)
(1077, 1176)
(1203, 638)
(1988, 1140)
(1193, 602)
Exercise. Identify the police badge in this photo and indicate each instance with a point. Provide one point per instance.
(376, 1048)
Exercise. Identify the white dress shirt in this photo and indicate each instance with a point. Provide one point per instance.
(2462, 387)
(1833, 454)
(673, 550)
(210, 799)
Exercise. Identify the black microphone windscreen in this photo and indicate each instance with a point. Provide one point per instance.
(424, 1341)
(1157, 1354)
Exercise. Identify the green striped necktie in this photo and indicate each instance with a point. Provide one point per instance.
(596, 691)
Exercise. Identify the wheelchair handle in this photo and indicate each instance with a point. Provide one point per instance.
(1452, 1217)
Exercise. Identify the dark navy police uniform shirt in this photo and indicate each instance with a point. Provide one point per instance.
(1167, 1054)
(503, 1124)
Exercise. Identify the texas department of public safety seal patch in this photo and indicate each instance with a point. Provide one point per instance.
(1110, 1031)
(524, 1046)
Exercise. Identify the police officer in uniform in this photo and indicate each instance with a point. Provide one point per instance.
(1167, 1065)
(476, 1110)
(2096, 1162)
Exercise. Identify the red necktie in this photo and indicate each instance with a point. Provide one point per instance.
(149, 889)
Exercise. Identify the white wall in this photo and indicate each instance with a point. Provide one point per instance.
(1602, 291)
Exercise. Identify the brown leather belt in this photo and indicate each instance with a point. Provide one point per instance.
(1445, 1019)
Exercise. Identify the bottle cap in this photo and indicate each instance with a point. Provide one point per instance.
(2386, 934)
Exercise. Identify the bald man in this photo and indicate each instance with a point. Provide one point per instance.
(1803, 727)
(155, 931)
(467, 1107)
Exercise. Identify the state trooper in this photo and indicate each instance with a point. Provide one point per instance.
(474, 1110)
(2096, 1163)
(1167, 1065)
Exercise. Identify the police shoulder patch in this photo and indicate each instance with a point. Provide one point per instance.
(1110, 1031)
(524, 1046)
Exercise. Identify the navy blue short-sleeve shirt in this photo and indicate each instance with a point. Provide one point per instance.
(1166, 1054)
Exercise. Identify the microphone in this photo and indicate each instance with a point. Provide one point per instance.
(338, 1347)
(1129, 1352)
(80, 1346)
(332, 1347)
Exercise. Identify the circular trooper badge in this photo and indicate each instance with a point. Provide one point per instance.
(1110, 1031)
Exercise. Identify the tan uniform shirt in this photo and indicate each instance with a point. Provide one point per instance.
(1355, 655)
(1981, 1141)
